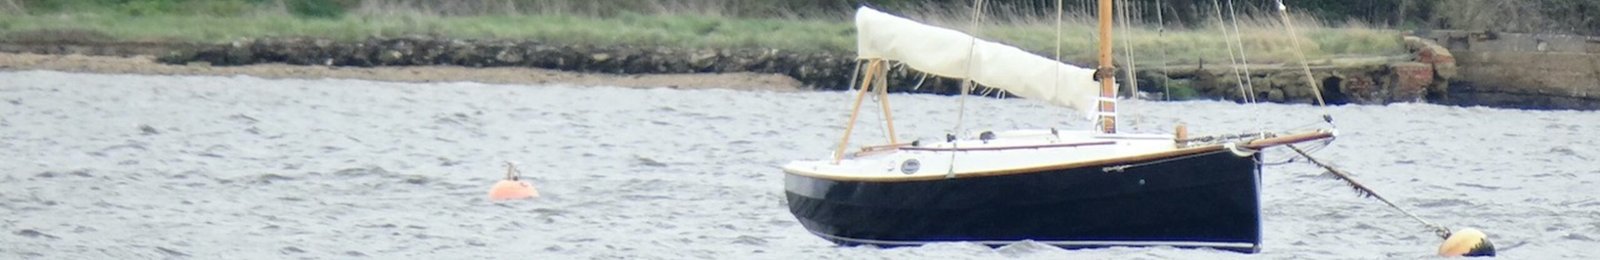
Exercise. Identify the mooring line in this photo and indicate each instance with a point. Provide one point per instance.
(1442, 231)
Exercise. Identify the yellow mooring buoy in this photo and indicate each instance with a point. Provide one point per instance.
(512, 187)
(1466, 242)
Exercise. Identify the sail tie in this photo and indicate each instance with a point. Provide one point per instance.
(919, 81)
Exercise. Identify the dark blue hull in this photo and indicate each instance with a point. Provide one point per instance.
(1207, 200)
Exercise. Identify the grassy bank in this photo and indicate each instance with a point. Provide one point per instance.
(682, 27)
(633, 29)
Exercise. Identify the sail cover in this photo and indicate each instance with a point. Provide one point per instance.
(948, 53)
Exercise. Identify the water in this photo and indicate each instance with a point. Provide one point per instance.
(126, 166)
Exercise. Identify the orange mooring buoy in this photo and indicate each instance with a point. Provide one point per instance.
(1466, 242)
(512, 188)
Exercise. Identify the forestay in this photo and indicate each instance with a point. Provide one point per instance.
(948, 53)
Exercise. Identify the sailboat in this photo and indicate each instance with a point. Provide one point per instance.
(1069, 188)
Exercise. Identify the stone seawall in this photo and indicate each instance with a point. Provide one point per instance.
(1417, 77)
(1364, 80)
(1533, 71)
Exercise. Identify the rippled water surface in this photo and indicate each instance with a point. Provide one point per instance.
(124, 166)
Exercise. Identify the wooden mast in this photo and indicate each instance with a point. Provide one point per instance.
(1105, 73)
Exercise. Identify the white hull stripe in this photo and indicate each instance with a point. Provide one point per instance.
(1107, 243)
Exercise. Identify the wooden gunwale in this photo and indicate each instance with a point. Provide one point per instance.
(1254, 145)
(1002, 148)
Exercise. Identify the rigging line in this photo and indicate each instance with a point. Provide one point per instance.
(1161, 33)
(1223, 24)
(1057, 80)
(1283, 12)
(967, 84)
(1060, 12)
(1127, 51)
(1250, 88)
(977, 14)
(1238, 37)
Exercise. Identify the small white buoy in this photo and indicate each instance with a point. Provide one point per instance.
(512, 187)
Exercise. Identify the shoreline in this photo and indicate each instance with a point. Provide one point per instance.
(147, 65)
(1364, 78)
(1430, 74)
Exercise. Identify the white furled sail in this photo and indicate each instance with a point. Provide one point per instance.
(948, 53)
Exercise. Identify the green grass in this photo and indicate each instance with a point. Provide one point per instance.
(1264, 40)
